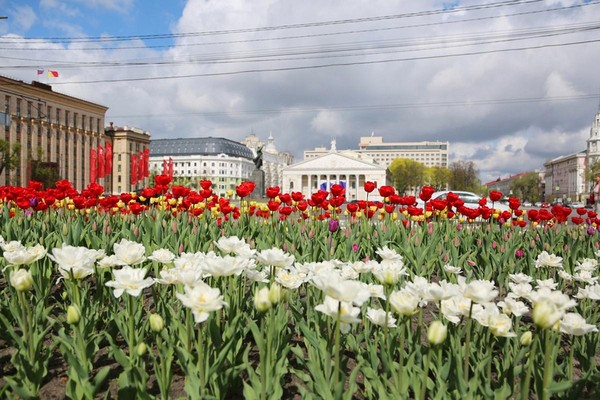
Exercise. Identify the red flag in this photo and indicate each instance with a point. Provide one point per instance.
(93, 162)
(52, 74)
(141, 166)
(147, 162)
(109, 156)
(101, 164)
(170, 167)
(134, 164)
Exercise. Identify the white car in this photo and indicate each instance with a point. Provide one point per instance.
(471, 199)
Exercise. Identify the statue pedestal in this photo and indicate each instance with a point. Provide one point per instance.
(258, 177)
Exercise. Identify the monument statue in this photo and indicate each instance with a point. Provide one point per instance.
(258, 159)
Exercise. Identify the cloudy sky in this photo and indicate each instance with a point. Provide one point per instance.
(510, 84)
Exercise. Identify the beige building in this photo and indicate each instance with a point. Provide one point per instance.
(60, 128)
(431, 154)
(129, 142)
(565, 177)
(64, 131)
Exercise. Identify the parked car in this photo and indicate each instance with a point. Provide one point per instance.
(471, 199)
(577, 204)
(527, 204)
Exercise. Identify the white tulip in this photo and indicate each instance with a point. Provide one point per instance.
(129, 253)
(130, 280)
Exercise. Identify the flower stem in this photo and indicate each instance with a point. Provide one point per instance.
(336, 349)
(426, 374)
(467, 351)
(131, 327)
(548, 367)
(200, 365)
(264, 359)
(571, 356)
(400, 382)
(529, 370)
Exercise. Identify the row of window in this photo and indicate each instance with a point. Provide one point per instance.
(64, 117)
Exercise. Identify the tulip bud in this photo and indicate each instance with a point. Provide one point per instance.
(275, 293)
(21, 280)
(140, 350)
(526, 338)
(73, 314)
(261, 300)
(156, 323)
(437, 332)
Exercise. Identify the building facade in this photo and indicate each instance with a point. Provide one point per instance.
(333, 167)
(50, 127)
(130, 158)
(224, 162)
(69, 134)
(431, 154)
(274, 161)
(565, 178)
(593, 143)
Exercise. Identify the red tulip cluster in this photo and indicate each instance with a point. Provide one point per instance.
(321, 205)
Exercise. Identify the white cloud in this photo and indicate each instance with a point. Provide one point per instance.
(120, 6)
(24, 16)
(59, 7)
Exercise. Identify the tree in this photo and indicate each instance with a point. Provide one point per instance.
(9, 156)
(527, 187)
(438, 177)
(463, 176)
(407, 174)
(592, 170)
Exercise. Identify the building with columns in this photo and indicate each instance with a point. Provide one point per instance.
(56, 127)
(127, 143)
(350, 171)
(67, 133)
(274, 160)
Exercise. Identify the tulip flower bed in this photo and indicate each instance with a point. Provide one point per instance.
(173, 293)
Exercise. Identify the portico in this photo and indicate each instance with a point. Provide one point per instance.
(311, 175)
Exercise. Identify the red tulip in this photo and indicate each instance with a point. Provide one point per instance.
(426, 192)
(370, 186)
(495, 195)
(386, 191)
(272, 192)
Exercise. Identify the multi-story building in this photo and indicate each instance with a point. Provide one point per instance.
(69, 134)
(224, 162)
(60, 129)
(130, 155)
(431, 154)
(593, 143)
(273, 160)
(505, 185)
(346, 168)
(565, 177)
